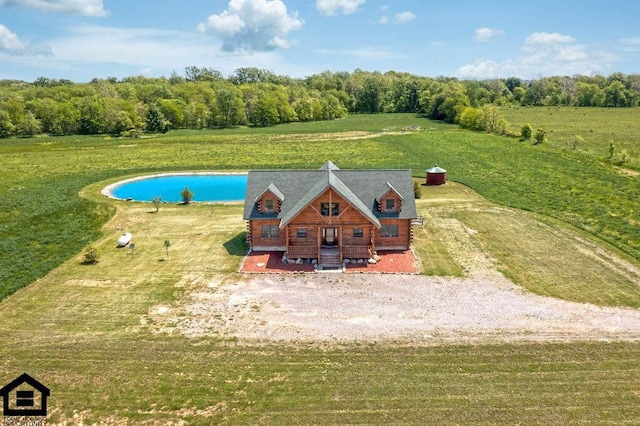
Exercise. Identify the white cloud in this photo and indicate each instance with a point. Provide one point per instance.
(480, 69)
(483, 35)
(403, 17)
(11, 44)
(544, 54)
(93, 8)
(548, 39)
(335, 7)
(252, 25)
(127, 51)
(141, 47)
(9, 41)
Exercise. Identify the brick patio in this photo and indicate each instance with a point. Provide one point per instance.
(391, 262)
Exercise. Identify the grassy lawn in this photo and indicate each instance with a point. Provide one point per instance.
(160, 380)
(91, 332)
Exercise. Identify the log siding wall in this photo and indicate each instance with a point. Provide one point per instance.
(348, 219)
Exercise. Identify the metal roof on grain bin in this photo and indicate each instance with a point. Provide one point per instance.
(436, 169)
(436, 175)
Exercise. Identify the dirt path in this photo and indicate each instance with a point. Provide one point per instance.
(485, 307)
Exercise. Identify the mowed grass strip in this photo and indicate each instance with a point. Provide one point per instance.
(550, 259)
(433, 256)
(168, 379)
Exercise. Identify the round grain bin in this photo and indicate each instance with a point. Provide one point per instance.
(436, 175)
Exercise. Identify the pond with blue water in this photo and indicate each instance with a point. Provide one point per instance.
(205, 187)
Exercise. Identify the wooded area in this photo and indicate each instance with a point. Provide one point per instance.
(203, 97)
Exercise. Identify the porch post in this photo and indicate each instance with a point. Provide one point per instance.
(372, 238)
(286, 239)
(340, 241)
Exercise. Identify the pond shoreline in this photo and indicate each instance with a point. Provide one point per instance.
(107, 191)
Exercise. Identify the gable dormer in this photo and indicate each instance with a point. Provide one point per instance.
(270, 201)
(390, 201)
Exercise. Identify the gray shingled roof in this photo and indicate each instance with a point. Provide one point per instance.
(359, 187)
(274, 190)
(387, 189)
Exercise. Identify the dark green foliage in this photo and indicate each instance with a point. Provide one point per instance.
(539, 137)
(156, 121)
(204, 98)
(44, 223)
(526, 132)
(30, 126)
(266, 112)
(6, 126)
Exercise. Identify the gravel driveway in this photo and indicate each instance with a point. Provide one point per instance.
(399, 308)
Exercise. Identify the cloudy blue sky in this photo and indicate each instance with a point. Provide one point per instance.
(83, 39)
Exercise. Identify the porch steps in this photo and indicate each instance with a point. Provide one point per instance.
(329, 259)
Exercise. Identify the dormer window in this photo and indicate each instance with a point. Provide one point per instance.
(268, 205)
(389, 200)
(390, 204)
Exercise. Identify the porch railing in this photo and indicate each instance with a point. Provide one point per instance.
(302, 251)
(358, 252)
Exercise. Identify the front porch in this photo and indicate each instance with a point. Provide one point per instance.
(391, 262)
(329, 256)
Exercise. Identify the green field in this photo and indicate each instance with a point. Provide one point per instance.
(90, 333)
(44, 222)
(596, 128)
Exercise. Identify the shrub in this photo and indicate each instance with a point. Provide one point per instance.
(91, 255)
(156, 201)
(416, 189)
(526, 132)
(187, 195)
(539, 136)
(167, 244)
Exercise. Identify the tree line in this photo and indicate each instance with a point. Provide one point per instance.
(204, 98)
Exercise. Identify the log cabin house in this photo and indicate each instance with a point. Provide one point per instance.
(329, 214)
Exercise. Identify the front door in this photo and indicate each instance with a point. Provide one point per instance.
(329, 236)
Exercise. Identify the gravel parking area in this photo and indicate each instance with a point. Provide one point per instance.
(413, 309)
